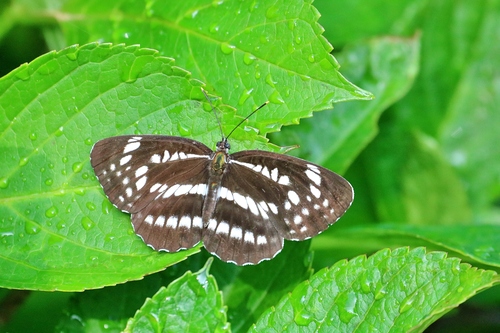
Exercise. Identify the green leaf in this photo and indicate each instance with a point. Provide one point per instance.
(414, 183)
(247, 52)
(57, 229)
(477, 244)
(192, 303)
(250, 290)
(402, 289)
(386, 67)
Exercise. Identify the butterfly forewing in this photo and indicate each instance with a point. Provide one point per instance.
(161, 180)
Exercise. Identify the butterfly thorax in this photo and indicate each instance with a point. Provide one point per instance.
(220, 156)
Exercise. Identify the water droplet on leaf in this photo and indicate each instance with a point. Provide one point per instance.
(227, 48)
(51, 212)
(87, 223)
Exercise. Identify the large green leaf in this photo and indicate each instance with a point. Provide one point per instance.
(247, 51)
(398, 291)
(191, 303)
(57, 229)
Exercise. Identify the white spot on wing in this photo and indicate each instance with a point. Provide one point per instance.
(125, 159)
(170, 191)
(274, 174)
(248, 165)
(160, 221)
(293, 196)
(249, 237)
(142, 170)
(236, 233)
(131, 147)
(297, 219)
(252, 206)
(212, 225)
(273, 207)
(126, 180)
(284, 180)
(313, 176)
(185, 222)
(154, 187)
(197, 222)
(315, 191)
(129, 192)
(172, 222)
(166, 156)
(156, 158)
(266, 173)
(240, 200)
(174, 157)
(112, 167)
(261, 240)
(222, 228)
(313, 168)
(183, 189)
(141, 182)
(149, 219)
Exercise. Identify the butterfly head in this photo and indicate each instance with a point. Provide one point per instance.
(223, 145)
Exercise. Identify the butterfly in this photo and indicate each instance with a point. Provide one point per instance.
(242, 206)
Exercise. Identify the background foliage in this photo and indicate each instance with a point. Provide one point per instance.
(422, 156)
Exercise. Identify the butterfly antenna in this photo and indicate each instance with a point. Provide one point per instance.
(241, 122)
(213, 109)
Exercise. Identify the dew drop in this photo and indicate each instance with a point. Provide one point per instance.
(23, 72)
(227, 48)
(90, 205)
(257, 75)
(4, 183)
(23, 161)
(276, 98)
(106, 206)
(72, 55)
(346, 305)
(298, 40)
(311, 58)
(33, 136)
(272, 12)
(248, 58)
(264, 39)
(49, 181)
(214, 28)
(406, 304)
(88, 141)
(51, 212)
(61, 225)
(183, 130)
(303, 319)
(87, 223)
(31, 228)
(77, 167)
(51, 166)
(59, 131)
(244, 96)
(85, 175)
(269, 80)
(64, 159)
(109, 237)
